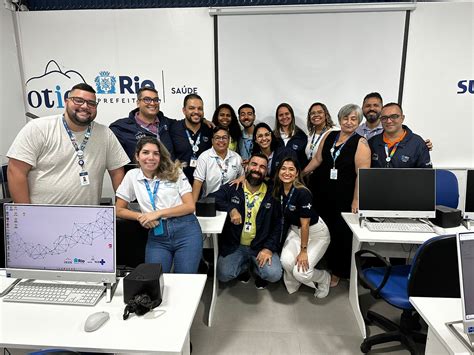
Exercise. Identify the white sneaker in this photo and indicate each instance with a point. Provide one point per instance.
(323, 287)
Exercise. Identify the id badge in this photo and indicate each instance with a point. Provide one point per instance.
(84, 178)
(333, 174)
(193, 163)
(158, 230)
(247, 227)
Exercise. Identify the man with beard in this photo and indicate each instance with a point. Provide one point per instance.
(145, 120)
(371, 107)
(251, 235)
(62, 159)
(190, 136)
(247, 119)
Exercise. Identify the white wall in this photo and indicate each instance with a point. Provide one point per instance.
(441, 53)
(12, 111)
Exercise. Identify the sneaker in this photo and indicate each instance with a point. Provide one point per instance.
(260, 283)
(244, 277)
(323, 287)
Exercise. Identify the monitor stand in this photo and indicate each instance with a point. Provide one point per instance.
(457, 328)
(110, 290)
(467, 223)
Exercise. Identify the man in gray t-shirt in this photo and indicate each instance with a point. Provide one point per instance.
(62, 159)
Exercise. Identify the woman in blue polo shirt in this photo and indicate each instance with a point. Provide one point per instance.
(307, 236)
(167, 208)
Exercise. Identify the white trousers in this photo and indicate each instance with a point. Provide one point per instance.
(318, 242)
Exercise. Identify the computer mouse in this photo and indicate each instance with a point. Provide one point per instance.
(95, 321)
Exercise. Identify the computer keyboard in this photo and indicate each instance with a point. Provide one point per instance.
(55, 293)
(398, 227)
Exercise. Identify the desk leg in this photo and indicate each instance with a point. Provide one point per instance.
(186, 346)
(354, 289)
(215, 247)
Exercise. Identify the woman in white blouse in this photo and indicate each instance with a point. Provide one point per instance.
(167, 208)
(216, 166)
(319, 122)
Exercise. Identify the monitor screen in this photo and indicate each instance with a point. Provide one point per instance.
(407, 193)
(75, 243)
(469, 203)
(466, 274)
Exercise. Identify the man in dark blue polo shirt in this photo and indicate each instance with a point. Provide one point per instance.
(190, 136)
(251, 235)
(145, 120)
(397, 146)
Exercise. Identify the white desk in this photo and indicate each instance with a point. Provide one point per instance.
(388, 244)
(212, 226)
(165, 330)
(436, 312)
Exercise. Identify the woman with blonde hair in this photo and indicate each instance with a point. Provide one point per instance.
(167, 208)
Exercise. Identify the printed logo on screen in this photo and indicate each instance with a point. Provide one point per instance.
(466, 86)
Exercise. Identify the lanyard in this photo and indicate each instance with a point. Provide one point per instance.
(249, 204)
(314, 144)
(79, 149)
(390, 155)
(152, 195)
(224, 167)
(335, 154)
(194, 144)
(284, 208)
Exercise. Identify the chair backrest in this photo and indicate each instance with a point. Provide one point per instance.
(434, 271)
(447, 189)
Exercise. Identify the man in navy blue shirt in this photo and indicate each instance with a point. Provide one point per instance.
(145, 120)
(251, 235)
(397, 146)
(190, 136)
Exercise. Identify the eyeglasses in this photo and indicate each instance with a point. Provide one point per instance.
(221, 138)
(80, 101)
(391, 118)
(149, 100)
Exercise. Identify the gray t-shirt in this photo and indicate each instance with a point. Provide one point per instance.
(54, 177)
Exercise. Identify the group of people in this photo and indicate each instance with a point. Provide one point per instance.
(277, 224)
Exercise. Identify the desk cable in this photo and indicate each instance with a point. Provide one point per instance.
(140, 304)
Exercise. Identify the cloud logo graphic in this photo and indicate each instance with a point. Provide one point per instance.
(46, 93)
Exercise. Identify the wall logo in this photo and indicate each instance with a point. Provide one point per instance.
(466, 86)
(49, 90)
(105, 83)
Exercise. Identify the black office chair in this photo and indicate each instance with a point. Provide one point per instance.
(433, 273)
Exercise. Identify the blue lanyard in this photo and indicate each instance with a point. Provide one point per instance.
(79, 149)
(314, 144)
(155, 192)
(283, 209)
(335, 154)
(250, 204)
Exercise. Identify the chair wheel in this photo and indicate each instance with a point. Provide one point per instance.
(365, 348)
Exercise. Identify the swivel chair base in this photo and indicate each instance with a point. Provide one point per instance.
(405, 333)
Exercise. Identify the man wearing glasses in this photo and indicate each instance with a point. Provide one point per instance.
(397, 146)
(145, 120)
(62, 159)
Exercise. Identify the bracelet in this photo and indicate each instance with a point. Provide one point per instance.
(304, 247)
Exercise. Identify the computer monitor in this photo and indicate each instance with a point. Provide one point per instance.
(397, 193)
(465, 242)
(56, 242)
(469, 197)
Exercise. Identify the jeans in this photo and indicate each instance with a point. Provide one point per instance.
(232, 265)
(180, 244)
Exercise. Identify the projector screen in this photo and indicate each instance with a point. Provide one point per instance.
(334, 58)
